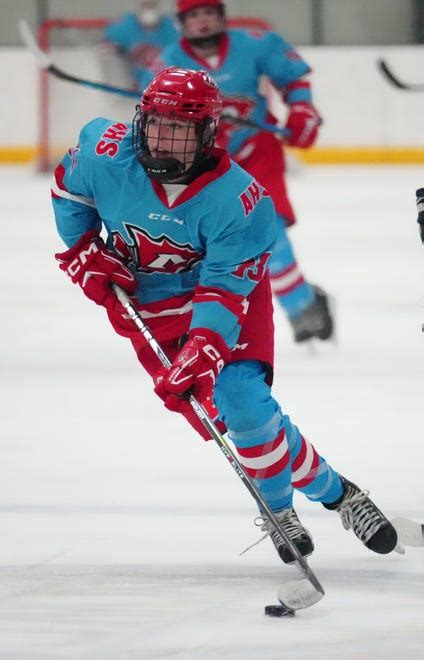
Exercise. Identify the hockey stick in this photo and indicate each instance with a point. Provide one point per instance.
(46, 63)
(409, 532)
(395, 81)
(293, 595)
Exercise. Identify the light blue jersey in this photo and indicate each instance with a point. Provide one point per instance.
(202, 255)
(242, 59)
(141, 45)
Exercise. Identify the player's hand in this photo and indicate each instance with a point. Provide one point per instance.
(194, 369)
(94, 267)
(302, 125)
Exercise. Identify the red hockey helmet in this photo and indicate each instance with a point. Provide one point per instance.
(183, 93)
(187, 5)
(189, 96)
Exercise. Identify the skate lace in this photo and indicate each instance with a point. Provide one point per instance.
(358, 512)
(287, 520)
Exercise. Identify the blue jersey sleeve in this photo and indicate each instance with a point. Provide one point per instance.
(278, 60)
(117, 31)
(238, 248)
(72, 192)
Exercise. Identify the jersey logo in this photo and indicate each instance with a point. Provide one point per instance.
(165, 218)
(155, 255)
(251, 196)
(109, 142)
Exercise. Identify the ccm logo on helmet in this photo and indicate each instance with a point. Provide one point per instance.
(158, 99)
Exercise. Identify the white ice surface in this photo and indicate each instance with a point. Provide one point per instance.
(120, 530)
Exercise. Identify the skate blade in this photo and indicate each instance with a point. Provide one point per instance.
(298, 594)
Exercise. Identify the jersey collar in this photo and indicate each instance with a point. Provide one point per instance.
(198, 184)
(222, 52)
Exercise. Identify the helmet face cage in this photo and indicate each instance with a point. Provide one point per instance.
(184, 153)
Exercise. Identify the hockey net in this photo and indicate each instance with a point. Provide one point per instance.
(77, 47)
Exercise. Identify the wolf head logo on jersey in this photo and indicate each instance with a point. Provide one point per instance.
(155, 255)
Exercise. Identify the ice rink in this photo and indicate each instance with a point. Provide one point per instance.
(121, 531)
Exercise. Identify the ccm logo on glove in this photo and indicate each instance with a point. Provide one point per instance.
(195, 368)
(94, 267)
(81, 260)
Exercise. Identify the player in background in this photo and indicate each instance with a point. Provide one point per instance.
(139, 36)
(189, 236)
(238, 60)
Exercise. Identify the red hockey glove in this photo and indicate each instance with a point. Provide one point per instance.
(94, 267)
(302, 123)
(195, 368)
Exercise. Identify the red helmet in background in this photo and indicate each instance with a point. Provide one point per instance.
(187, 95)
(183, 93)
(214, 34)
(187, 5)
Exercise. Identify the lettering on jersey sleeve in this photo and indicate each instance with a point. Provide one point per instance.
(110, 140)
(292, 55)
(251, 196)
(155, 255)
(253, 269)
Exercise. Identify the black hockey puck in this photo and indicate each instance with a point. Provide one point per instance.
(278, 610)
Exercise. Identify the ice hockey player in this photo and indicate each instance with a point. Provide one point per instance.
(139, 36)
(189, 236)
(237, 60)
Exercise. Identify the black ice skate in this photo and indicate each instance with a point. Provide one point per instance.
(316, 320)
(291, 524)
(361, 515)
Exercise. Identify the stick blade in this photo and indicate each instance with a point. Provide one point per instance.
(298, 594)
(409, 532)
(390, 75)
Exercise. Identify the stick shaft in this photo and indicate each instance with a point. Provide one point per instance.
(46, 63)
